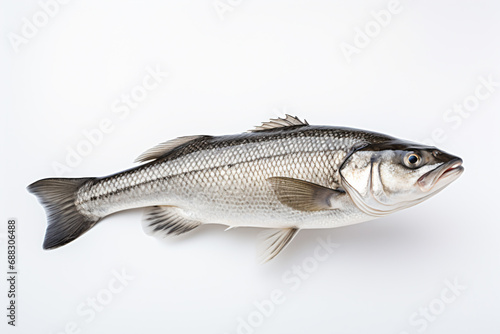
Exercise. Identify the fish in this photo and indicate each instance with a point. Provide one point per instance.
(283, 176)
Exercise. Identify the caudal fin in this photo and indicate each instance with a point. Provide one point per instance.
(65, 222)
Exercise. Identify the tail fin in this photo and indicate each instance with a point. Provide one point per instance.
(65, 222)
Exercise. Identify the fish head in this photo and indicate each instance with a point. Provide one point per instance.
(386, 177)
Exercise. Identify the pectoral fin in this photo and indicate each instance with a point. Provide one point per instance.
(304, 196)
(273, 241)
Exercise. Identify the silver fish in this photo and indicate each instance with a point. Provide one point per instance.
(284, 175)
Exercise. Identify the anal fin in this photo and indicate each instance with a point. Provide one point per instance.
(166, 220)
(273, 242)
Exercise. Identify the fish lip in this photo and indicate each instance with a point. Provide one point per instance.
(446, 173)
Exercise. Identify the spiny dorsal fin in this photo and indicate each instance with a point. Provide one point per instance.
(273, 241)
(165, 220)
(280, 123)
(303, 195)
(163, 148)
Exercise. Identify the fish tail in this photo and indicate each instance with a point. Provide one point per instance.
(65, 221)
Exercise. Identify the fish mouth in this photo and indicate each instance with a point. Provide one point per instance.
(441, 176)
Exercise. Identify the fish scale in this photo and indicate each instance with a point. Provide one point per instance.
(188, 179)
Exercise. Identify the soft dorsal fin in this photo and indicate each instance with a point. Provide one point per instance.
(273, 241)
(163, 148)
(280, 123)
(303, 195)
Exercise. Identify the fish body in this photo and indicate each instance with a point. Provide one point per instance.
(286, 175)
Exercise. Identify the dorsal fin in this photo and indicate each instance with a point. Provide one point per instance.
(163, 148)
(280, 123)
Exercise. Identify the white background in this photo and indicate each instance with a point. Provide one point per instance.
(260, 60)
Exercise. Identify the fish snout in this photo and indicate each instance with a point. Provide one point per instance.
(442, 175)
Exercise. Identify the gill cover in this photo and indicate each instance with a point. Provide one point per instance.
(360, 177)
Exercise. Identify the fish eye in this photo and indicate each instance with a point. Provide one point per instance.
(412, 159)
